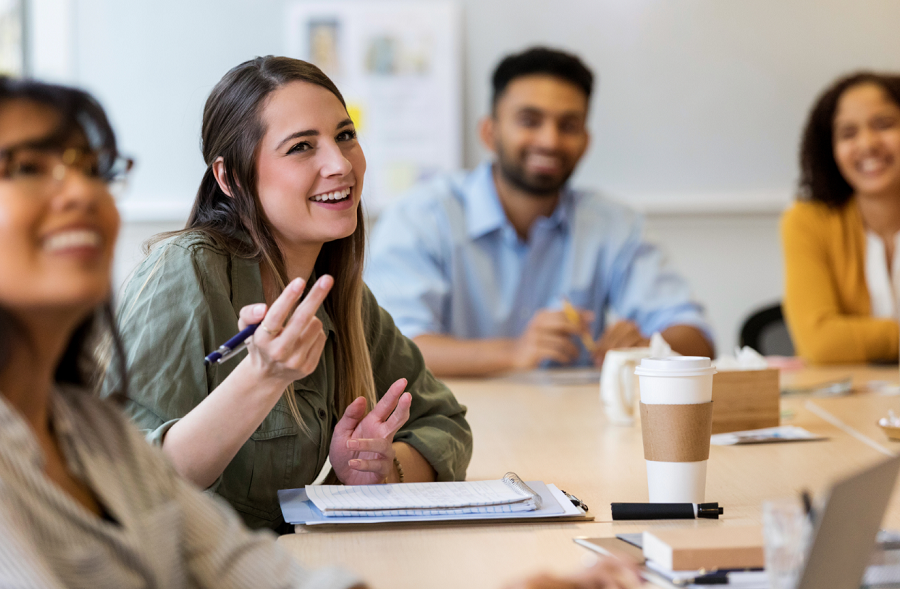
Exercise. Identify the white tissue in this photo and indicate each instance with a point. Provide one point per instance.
(659, 347)
(745, 358)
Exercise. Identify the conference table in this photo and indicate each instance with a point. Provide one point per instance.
(551, 427)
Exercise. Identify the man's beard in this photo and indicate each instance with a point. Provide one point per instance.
(537, 185)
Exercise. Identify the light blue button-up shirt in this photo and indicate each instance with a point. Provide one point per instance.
(446, 260)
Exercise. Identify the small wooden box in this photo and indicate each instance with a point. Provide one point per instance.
(745, 399)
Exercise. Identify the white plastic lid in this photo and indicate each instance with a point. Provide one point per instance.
(675, 366)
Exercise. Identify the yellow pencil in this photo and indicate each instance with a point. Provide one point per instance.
(575, 319)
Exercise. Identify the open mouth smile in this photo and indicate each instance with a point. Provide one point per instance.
(336, 196)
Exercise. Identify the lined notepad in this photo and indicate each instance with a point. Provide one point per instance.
(506, 495)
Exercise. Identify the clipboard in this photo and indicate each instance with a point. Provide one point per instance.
(297, 509)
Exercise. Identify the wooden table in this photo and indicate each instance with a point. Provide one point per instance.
(558, 434)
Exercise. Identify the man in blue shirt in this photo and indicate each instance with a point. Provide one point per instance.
(477, 268)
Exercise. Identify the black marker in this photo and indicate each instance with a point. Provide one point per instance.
(666, 510)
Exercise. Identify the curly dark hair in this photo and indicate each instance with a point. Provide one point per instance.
(80, 116)
(820, 178)
(541, 60)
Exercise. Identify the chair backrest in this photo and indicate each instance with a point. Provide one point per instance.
(766, 332)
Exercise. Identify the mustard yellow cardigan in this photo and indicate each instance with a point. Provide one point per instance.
(826, 301)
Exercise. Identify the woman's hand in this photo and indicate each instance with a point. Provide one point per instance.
(287, 349)
(361, 450)
(207, 439)
(608, 573)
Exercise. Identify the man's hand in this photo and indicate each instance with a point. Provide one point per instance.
(549, 336)
(622, 334)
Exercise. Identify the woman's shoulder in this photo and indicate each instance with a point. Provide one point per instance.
(192, 251)
(189, 244)
(808, 215)
(98, 423)
(102, 430)
(177, 266)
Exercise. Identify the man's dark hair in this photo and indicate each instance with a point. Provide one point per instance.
(820, 178)
(541, 60)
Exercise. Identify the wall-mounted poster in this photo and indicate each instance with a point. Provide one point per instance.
(12, 37)
(397, 64)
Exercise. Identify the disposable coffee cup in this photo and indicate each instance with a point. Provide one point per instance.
(676, 423)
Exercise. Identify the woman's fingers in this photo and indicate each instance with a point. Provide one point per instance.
(376, 445)
(306, 311)
(251, 314)
(272, 323)
(293, 349)
(388, 402)
(381, 466)
(400, 414)
(352, 416)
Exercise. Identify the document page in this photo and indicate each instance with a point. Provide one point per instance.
(420, 498)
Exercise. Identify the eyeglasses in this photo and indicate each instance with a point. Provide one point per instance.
(41, 170)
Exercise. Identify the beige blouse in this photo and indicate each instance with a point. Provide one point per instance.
(161, 531)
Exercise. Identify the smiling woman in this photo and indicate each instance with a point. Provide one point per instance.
(842, 268)
(278, 214)
(81, 487)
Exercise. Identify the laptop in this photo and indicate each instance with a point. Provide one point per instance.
(845, 531)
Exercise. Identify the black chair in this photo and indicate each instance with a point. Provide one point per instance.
(766, 332)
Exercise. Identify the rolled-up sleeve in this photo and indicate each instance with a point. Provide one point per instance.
(166, 321)
(437, 427)
(648, 290)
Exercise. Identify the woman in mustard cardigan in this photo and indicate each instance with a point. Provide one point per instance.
(842, 274)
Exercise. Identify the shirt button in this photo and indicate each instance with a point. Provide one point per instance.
(321, 414)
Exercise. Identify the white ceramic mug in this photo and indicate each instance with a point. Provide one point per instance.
(619, 385)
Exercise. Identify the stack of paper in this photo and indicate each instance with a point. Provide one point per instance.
(447, 498)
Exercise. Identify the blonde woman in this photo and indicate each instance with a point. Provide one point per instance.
(278, 214)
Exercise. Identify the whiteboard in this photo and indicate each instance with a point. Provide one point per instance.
(699, 104)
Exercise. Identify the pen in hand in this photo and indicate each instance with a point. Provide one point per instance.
(575, 319)
(232, 347)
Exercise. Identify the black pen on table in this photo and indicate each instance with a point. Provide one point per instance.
(716, 577)
(632, 511)
(232, 347)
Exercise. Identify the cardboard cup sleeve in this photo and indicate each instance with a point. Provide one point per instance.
(676, 433)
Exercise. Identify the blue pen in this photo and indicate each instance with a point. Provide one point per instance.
(233, 346)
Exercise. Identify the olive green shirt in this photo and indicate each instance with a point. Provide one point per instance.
(183, 301)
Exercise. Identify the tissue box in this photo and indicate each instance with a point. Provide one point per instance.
(745, 399)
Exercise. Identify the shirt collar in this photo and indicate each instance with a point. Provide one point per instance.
(485, 214)
(16, 437)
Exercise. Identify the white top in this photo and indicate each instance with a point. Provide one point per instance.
(883, 287)
(164, 533)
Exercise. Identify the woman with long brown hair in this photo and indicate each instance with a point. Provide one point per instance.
(86, 502)
(278, 215)
(842, 267)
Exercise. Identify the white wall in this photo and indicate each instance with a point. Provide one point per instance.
(741, 271)
(698, 109)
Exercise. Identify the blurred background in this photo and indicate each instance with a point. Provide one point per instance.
(695, 121)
